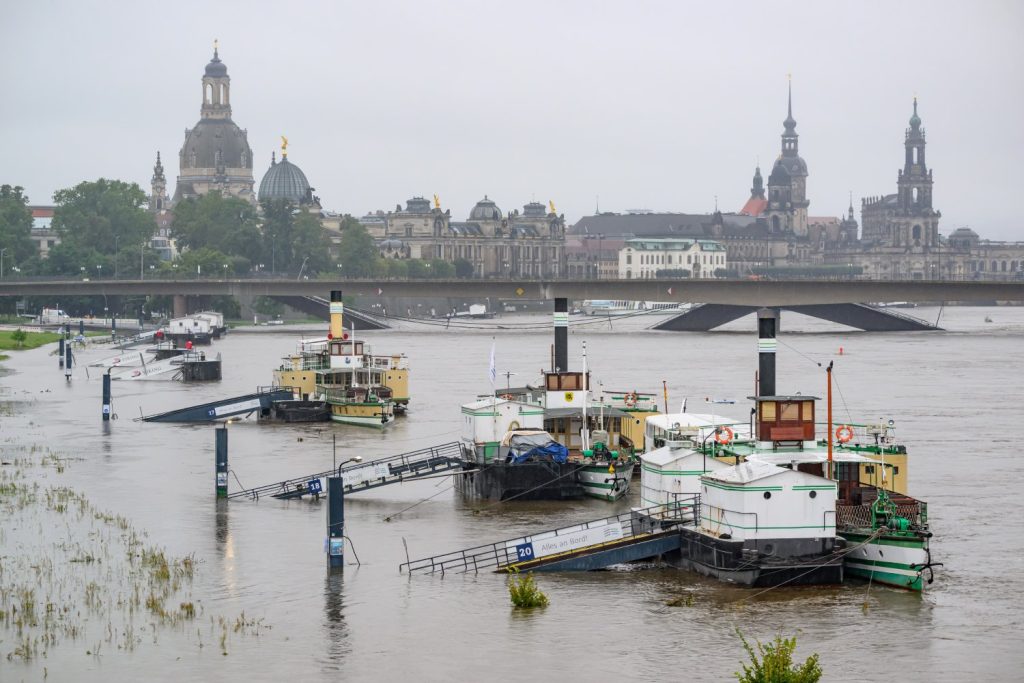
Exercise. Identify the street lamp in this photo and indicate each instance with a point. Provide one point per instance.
(703, 445)
(225, 271)
(116, 248)
(2, 252)
(99, 270)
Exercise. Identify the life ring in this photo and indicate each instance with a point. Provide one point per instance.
(507, 397)
(724, 435)
(844, 433)
(630, 399)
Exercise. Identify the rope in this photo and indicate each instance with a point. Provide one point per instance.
(849, 415)
(798, 352)
(390, 517)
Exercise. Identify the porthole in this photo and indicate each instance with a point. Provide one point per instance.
(767, 495)
(814, 494)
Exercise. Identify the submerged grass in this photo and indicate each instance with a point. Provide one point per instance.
(83, 574)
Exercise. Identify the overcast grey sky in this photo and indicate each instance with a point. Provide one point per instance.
(659, 105)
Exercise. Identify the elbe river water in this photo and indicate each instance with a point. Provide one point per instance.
(955, 397)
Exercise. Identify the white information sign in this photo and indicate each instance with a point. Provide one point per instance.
(569, 539)
(252, 404)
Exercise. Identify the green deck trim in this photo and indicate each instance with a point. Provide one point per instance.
(722, 522)
(650, 468)
(889, 578)
(814, 488)
(858, 537)
(729, 487)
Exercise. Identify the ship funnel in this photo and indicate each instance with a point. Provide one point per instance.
(337, 315)
(767, 321)
(561, 335)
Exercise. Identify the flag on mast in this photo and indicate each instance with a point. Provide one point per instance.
(492, 371)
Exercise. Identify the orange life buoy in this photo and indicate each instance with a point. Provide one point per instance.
(724, 435)
(507, 397)
(844, 433)
(630, 399)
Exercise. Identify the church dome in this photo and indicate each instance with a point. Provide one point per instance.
(216, 68)
(535, 210)
(216, 143)
(485, 210)
(285, 180)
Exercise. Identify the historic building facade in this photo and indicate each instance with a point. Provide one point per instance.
(216, 154)
(643, 259)
(529, 244)
(786, 211)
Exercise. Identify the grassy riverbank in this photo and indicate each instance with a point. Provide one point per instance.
(33, 340)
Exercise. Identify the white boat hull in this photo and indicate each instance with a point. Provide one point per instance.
(598, 482)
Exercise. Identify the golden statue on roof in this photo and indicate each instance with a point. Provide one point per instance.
(551, 205)
(284, 147)
(437, 201)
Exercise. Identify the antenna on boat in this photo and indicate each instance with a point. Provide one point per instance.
(586, 388)
(828, 372)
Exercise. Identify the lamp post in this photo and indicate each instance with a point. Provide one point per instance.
(225, 271)
(2, 252)
(116, 248)
(703, 445)
(99, 272)
(142, 261)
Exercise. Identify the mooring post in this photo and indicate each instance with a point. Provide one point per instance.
(60, 351)
(335, 522)
(222, 462)
(113, 326)
(106, 395)
(81, 326)
(561, 335)
(67, 361)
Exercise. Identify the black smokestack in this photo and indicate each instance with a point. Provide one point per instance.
(767, 318)
(561, 335)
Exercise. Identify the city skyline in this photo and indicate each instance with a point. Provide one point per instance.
(381, 104)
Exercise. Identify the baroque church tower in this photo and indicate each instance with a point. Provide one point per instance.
(158, 200)
(216, 154)
(915, 222)
(787, 184)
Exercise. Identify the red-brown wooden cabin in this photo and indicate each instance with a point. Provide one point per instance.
(782, 419)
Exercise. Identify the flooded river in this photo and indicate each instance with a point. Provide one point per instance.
(955, 397)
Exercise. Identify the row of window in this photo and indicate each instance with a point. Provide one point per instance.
(997, 266)
(660, 260)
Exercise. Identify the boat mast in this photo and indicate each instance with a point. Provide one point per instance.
(828, 372)
(586, 387)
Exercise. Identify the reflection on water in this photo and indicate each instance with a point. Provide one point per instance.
(951, 395)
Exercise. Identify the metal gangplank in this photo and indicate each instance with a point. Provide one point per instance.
(261, 400)
(641, 533)
(394, 469)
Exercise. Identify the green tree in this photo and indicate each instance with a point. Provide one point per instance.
(15, 226)
(19, 336)
(775, 663)
(267, 305)
(203, 262)
(227, 224)
(311, 245)
(417, 268)
(394, 268)
(463, 268)
(357, 252)
(75, 258)
(278, 224)
(440, 268)
(104, 215)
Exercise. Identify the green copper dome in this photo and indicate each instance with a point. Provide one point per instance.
(285, 180)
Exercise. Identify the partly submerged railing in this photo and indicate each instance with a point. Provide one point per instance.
(563, 541)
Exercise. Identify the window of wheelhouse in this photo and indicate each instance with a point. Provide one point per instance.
(564, 381)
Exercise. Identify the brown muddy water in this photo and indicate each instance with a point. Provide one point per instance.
(138, 499)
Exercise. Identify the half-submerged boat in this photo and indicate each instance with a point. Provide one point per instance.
(354, 385)
(782, 503)
(600, 436)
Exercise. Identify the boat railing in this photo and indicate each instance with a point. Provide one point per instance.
(502, 554)
(860, 515)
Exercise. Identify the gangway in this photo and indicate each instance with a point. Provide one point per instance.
(368, 475)
(260, 401)
(639, 534)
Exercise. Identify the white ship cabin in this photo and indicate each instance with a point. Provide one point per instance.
(757, 500)
(486, 421)
(215, 318)
(784, 421)
(189, 325)
(565, 389)
(853, 487)
(347, 353)
(657, 427)
(672, 472)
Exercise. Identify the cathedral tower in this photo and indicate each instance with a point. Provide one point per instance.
(787, 184)
(915, 222)
(158, 188)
